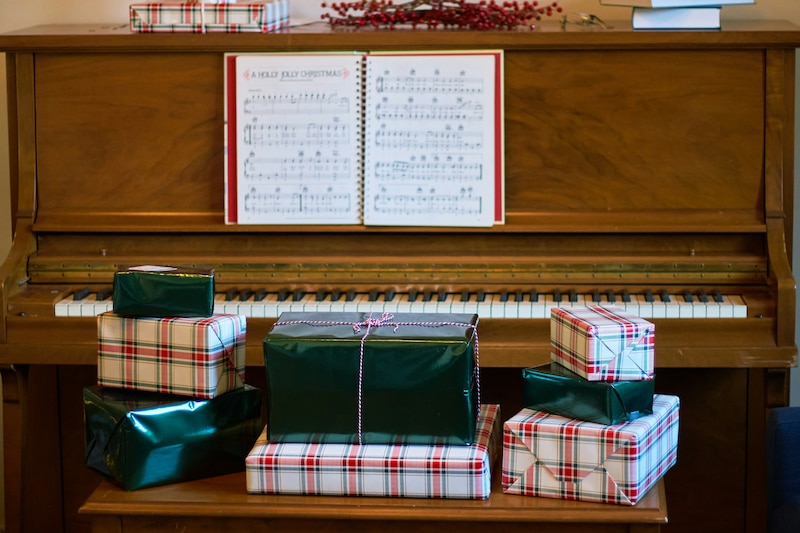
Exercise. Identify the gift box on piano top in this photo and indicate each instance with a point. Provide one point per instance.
(142, 439)
(357, 377)
(602, 343)
(557, 457)
(163, 291)
(198, 357)
(554, 389)
(202, 17)
(396, 470)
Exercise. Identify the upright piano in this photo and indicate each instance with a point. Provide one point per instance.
(652, 170)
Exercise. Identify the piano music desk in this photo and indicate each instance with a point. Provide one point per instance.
(221, 504)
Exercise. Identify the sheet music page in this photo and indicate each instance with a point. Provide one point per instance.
(431, 139)
(298, 139)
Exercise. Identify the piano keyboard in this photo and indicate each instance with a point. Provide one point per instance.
(504, 304)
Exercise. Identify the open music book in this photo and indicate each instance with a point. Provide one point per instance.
(391, 139)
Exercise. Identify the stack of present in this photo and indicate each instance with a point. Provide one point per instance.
(228, 16)
(171, 403)
(365, 405)
(592, 429)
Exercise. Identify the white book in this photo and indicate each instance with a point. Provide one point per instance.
(680, 18)
(674, 3)
(374, 138)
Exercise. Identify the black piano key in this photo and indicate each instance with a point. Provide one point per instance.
(648, 296)
(412, 295)
(80, 294)
(321, 294)
(351, 295)
(665, 297)
(283, 294)
(717, 296)
(245, 295)
(373, 295)
(427, 295)
(465, 295)
(573, 296)
(480, 296)
(388, 296)
(259, 295)
(442, 295)
(336, 294)
(534, 295)
(687, 295)
(596, 296)
(231, 294)
(503, 296)
(104, 294)
(557, 295)
(703, 296)
(518, 296)
(626, 296)
(612, 298)
(298, 295)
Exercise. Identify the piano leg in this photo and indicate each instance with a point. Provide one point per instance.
(32, 454)
(13, 380)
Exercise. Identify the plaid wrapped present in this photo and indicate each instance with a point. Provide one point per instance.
(163, 291)
(554, 389)
(409, 378)
(399, 470)
(142, 439)
(556, 457)
(602, 343)
(198, 357)
(202, 17)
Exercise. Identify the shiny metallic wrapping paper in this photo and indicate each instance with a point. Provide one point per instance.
(419, 380)
(142, 439)
(555, 389)
(161, 291)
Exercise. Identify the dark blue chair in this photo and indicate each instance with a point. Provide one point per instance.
(783, 470)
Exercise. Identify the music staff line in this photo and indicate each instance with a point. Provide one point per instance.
(428, 85)
(465, 111)
(293, 104)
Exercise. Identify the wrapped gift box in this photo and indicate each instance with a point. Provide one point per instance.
(602, 343)
(141, 439)
(354, 377)
(198, 357)
(554, 389)
(556, 457)
(202, 17)
(415, 471)
(163, 291)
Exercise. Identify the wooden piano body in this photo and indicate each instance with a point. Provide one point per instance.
(634, 161)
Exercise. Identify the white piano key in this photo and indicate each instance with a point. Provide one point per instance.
(685, 309)
(645, 307)
(738, 304)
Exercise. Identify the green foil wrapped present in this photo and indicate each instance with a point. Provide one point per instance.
(372, 379)
(142, 439)
(163, 291)
(555, 389)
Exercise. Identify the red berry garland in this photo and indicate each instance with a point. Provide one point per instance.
(483, 15)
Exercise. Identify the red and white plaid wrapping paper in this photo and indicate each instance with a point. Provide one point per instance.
(199, 357)
(414, 471)
(602, 343)
(556, 457)
(202, 17)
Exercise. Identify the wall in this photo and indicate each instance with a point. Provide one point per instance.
(15, 14)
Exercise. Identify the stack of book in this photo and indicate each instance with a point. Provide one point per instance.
(676, 14)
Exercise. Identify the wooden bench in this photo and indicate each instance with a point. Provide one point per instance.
(222, 504)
